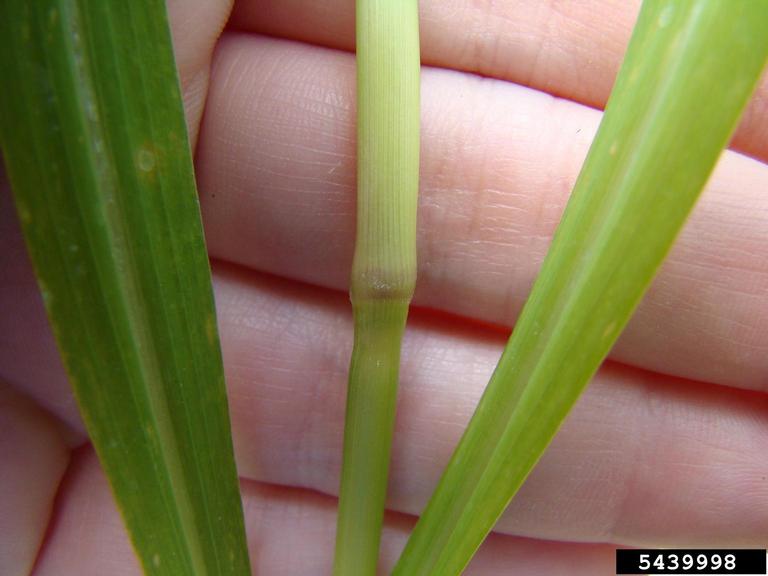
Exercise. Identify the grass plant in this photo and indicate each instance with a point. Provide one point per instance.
(95, 145)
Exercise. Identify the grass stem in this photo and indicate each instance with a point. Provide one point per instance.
(384, 266)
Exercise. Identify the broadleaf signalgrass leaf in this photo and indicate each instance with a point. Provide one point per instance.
(95, 145)
(689, 70)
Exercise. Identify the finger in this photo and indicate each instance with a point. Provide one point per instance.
(568, 49)
(34, 459)
(641, 460)
(195, 26)
(290, 532)
(276, 174)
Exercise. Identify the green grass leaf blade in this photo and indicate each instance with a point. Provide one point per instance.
(383, 268)
(689, 70)
(95, 145)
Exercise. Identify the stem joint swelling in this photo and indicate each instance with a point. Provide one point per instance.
(378, 286)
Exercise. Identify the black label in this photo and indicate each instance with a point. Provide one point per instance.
(752, 561)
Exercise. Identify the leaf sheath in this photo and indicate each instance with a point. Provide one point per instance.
(383, 269)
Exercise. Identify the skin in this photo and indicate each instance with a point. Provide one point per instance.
(666, 447)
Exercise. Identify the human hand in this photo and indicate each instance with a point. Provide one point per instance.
(664, 449)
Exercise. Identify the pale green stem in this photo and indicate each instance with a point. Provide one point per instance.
(384, 266)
